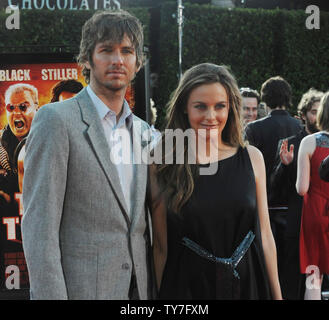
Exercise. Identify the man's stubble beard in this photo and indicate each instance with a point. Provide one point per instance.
(311, 127)
(109, 86)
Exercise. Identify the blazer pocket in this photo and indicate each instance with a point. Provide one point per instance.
(79, 263)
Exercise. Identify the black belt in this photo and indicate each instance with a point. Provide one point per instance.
(232, 262)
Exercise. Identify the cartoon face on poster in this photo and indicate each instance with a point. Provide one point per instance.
(24, 89)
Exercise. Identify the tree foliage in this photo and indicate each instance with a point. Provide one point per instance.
(255, 44)
(52, 31)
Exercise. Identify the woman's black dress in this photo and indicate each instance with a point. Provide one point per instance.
(220, 214)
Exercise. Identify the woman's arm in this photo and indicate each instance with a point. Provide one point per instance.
(268, 243)
(306, 149)
(159, 226)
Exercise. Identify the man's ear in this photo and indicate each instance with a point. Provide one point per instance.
(138, 67)
(139, 64)
(87, 65)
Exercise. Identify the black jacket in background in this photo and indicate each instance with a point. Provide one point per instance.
(265, 134)
(283, 185)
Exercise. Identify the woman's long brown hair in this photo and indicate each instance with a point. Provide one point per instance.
(177, 180)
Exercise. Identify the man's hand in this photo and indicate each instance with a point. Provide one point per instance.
(285, 155)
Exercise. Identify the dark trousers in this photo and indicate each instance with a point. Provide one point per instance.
(292, 281)
(278, 220)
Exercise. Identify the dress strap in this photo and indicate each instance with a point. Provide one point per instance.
(322, 140)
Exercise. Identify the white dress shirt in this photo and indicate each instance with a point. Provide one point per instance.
(119, 139)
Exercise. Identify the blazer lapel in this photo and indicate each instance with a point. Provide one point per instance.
(95, 134)
(140, 170)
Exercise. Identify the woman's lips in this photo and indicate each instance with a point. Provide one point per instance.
(209, 126)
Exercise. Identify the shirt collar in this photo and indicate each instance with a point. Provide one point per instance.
(126, 116)
(279, 112)
(103, 110)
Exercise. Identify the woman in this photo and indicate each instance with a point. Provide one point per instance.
(219, 243)
(314, 236)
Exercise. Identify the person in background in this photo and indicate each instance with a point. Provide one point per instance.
(264, 134)
(283, 184)
(314, 240)
(262, 110)
(156, 134)
(250, 103)
(66, 89)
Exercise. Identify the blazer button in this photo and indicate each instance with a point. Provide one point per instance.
(125, 266)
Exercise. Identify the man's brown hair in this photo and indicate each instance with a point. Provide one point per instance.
(109, 26)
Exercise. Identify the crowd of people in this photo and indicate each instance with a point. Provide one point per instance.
(256, 228)
(279, 142)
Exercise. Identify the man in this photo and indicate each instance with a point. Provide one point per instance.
(250, 102)
(283, 184)
(84, 224)
(21, 102)
(265, 134)
(262, 110)
(66, 89)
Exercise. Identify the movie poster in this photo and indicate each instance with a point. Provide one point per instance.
(23, 89)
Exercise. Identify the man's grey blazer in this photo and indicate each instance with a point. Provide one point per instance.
(78, 239)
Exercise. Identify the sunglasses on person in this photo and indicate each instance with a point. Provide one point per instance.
(23, 107)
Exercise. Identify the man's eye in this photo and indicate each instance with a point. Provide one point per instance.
(128, 50)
